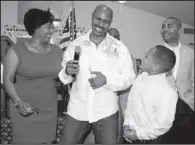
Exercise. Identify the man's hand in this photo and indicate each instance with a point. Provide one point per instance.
(72, 67)
(98, 81)
(129, 135)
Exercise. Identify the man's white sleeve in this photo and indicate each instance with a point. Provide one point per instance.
(68, 55)
(125, 76)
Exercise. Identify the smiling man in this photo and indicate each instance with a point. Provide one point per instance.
(183, 76)
(105, 67)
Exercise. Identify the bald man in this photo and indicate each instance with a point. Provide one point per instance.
(104, 68)
(183, 76)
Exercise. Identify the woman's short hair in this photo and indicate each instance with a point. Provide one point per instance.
(35, 18)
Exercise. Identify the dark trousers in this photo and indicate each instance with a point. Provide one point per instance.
(105, 130)
(120, 124)
(183, 129)
(155, 141)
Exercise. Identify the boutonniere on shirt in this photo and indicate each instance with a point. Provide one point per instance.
(111, 48)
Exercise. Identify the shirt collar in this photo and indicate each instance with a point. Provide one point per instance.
(173, 48)
(87, 36)
(154, 77)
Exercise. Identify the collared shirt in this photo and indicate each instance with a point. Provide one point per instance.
(176, 50)
(151, 106)
(113, 60)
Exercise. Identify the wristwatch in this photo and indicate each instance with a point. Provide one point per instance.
(16, 103)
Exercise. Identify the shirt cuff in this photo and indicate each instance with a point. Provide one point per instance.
(64, 78)
(125, 122)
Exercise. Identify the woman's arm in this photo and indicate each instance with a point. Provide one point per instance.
(10, 65)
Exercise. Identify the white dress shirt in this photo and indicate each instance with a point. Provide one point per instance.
(151, 106)
(113, 60)
(176, 50)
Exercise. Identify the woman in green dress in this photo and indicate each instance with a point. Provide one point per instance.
(33, 98)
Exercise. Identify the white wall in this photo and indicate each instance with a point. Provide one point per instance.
(57, 6)
(139, 30)
(9, 11)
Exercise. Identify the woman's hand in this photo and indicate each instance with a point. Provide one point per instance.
(24, 108)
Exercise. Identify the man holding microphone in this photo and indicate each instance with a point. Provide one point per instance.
(104, 67)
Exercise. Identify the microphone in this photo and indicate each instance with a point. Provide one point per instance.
(77, 55)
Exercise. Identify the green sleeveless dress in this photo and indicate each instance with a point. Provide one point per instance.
(35, 84)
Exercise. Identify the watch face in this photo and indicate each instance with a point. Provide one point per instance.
(16, 103)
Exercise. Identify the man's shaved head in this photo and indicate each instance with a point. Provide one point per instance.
(177, 21)
(101, 20)
(103, 8)
(171, 29)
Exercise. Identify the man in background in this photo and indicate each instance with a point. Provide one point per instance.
(114, 33)
(183, 79)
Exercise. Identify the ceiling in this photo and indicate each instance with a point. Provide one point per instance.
(183, 10)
